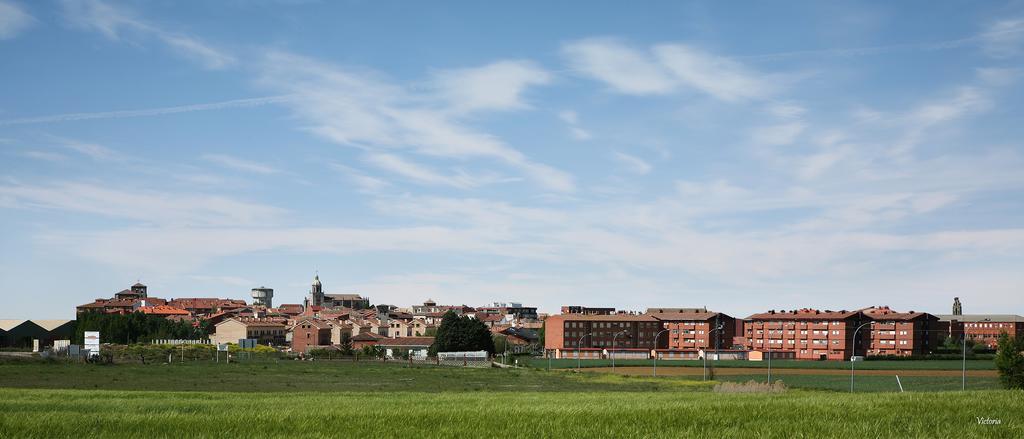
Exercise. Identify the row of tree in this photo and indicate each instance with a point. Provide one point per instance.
(136, 327)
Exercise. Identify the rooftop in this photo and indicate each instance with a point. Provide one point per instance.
(971, 318)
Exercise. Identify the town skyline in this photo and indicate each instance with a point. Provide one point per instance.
(700, 154)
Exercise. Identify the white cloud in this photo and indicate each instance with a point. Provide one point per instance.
(568, 116)
(776, 135)
(625, 69)
(787, 110)
(572, 119)
(720, 77)
(420, 173)
(1004, 38)
(360, 109)
(114, 23)
(235, 103)
(13, 20)
(239, 164)
(365, 183)
(664, 69)
(95, 151)
(999, 77)
(496, 86)
(44, 155)
(143, 206)
(632, 163)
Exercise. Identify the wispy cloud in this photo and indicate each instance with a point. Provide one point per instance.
(13, 20)
(665, 68)
(67, 117)
(1004, 38)
(425, 175)
(572, 120)
(622, 67)
(44, 155)
(147, 207)
(632, 163)
(496, 86)
(94, 151)
(358, 108)
(114, 23)
(780, 134)
(365, 183)
(239, 164)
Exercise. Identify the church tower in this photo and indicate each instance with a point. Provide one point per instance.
(958, 310)
(316, 293)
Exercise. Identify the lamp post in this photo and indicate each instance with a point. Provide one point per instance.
(579, 344)
(853, 349)
(963, 370)
(769, 362)
(612, 353)
(719, 328)
(656, 350)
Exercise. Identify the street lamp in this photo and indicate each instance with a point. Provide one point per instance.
(719, 328)
(963, 370)
(579, 343)
(613, 348)
(656, 350)
(853, 350)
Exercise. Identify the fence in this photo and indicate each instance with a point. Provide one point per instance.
(464, 359)
(182, 342)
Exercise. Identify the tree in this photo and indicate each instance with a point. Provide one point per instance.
(460, 334)
(346, 344)
(1010, 362)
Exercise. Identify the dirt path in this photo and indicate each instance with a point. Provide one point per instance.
(697, 371)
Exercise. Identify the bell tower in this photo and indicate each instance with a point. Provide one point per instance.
(316, 292)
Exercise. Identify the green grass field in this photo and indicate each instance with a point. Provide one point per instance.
(780, 364)
(336, 399)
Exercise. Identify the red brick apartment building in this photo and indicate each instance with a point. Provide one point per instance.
(804, 334)
(591, 336)
(982, 328)
(691, 330)
(900, 333)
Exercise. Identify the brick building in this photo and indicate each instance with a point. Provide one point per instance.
(592, 336)
(310, 333)
(692, 330)
(899, 333)
(804, 334)
(982, 328)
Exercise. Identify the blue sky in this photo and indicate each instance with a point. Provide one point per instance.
(740, 156)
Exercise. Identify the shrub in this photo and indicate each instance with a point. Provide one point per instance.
(1009, 361)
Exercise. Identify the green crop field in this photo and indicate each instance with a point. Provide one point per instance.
(567, 363)
(343, 399)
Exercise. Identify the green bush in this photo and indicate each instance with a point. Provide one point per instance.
(1009, 361)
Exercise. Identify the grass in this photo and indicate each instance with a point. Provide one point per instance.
(297, 376)
(76, 413)
(322, 399)
(542, 363)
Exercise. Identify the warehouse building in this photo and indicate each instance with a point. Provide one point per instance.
(20, 333)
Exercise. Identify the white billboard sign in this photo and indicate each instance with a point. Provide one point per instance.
(92, 342)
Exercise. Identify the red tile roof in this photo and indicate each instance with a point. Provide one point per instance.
(885, 313)
(164, 310)
(804, 314)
